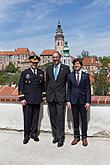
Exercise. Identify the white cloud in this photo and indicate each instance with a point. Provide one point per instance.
(36, 43)
(6, 9)
(98, 3)
(95, 43)
(35, 21)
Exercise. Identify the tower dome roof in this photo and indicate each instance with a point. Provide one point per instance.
(59, 29)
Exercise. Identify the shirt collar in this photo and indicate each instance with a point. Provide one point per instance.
(58, 65)
(33, 70)
(80, 71)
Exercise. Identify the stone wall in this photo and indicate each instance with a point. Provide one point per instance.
(11, 117)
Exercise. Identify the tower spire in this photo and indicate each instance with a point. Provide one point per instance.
(59, 38)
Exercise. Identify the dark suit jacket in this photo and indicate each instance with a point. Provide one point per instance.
(31, 86)
(57, 88)
(81, 92)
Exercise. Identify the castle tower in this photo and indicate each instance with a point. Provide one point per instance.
(59, 39)
(66, 59)
(66, 49)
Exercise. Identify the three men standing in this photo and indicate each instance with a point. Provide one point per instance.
(56, 79)
(31, 85)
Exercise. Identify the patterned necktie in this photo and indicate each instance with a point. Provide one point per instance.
(77, 79)
(55, 72)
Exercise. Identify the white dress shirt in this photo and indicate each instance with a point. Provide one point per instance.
(80, 73)
(34, 71)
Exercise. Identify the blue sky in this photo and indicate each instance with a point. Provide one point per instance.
(32, 24)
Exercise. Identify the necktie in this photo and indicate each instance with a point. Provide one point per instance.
(77, 79)
(55, 72)
(35, 71)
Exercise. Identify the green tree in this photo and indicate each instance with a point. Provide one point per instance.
(84, 54)
(104, 60)
(11, 68)
(2, 80)
(100, 85)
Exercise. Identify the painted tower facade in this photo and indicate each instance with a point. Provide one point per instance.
(59, 39)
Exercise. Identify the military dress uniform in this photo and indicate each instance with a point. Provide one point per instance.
(30, 88)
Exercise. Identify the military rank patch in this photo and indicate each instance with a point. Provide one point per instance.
(27, 76)
(41, 75)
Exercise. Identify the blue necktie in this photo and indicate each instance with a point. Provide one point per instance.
(55, 72)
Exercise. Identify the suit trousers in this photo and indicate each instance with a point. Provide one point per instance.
(79, 109)
(57, 119)
(31, 117)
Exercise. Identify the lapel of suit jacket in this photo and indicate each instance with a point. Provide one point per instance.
(31, 73)
(74, 78)
(82, 76)
(52, 71)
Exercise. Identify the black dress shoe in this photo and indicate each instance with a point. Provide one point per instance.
(35, 138)
(55, 140)
(26, 140)
(60, 144)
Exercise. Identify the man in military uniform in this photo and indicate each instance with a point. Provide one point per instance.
(30, 90)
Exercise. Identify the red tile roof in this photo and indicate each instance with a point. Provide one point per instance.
(15, 92)
(88, 61)
(16, 52)
(6, 90)
(47, 52)
(22, 51)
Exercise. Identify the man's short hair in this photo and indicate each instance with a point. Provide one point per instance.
(58, 53)
(77, 60)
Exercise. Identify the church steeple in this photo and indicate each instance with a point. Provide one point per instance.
(59, 38)
(59, 29)
(66, 49)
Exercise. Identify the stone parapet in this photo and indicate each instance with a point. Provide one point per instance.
(10, 94)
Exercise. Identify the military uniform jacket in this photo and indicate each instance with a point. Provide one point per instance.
(56, 88)
(30, 86)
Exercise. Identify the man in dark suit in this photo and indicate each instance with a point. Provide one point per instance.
(30, 90)
(56, 78)
(79, 99)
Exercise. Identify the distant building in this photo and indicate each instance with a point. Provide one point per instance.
(59, 39)
(90, 64)
(46, 56)
(66, 58)
(61, 46)
(17, 57)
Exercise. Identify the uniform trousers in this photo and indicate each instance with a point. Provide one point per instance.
(31, 117)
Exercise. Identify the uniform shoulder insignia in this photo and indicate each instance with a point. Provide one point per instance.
(27, 76)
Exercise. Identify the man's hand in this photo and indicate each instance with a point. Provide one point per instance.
(23, 102)
(87, 106)
(68, 105)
